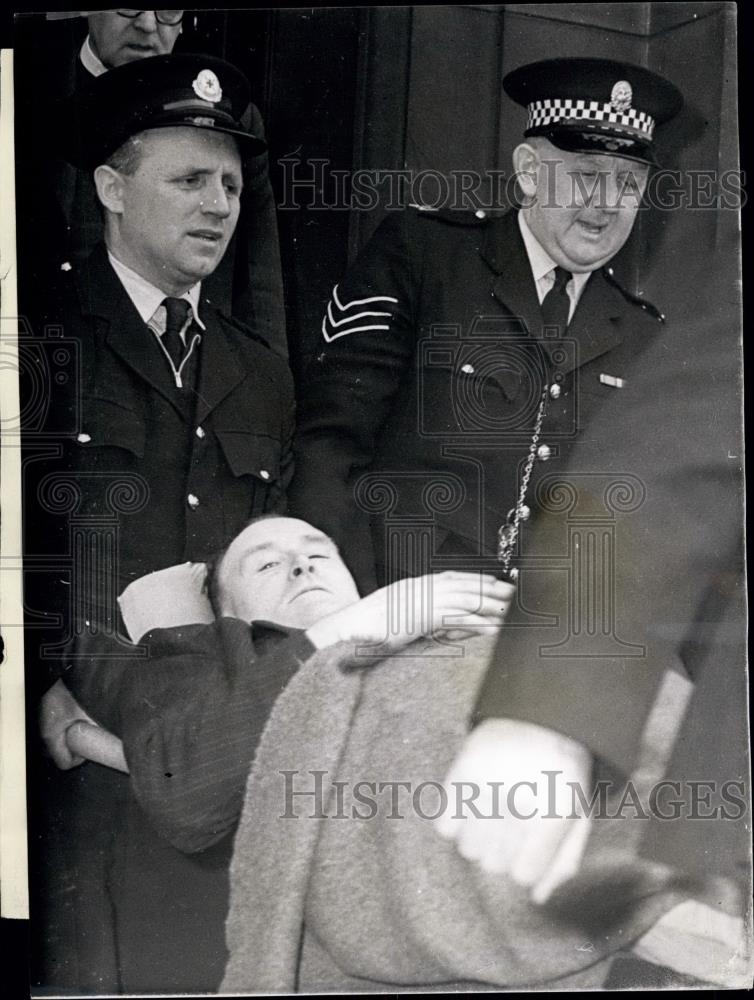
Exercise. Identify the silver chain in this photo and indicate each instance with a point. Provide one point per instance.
(508, 533)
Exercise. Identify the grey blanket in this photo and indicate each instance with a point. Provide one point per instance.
(326, 897)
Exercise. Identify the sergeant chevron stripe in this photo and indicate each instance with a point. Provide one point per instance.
(347, 317)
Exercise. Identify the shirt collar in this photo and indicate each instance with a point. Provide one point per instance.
(147, 297)
(91, 62)
(541, 262)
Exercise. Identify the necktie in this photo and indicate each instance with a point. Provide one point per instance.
(177, 311)
(556, 304)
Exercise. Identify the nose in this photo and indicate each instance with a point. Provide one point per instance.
(215, 201)
(146, 20)
(614, 193)
(300, 566)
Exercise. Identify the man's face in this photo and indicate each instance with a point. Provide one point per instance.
(179, 209)
(584, 206)
(285, 571)
(117, 40)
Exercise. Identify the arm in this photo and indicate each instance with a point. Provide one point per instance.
(189, 716)
(677, 430)
(367, 347)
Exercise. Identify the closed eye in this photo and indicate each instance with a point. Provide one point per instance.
(191, 182)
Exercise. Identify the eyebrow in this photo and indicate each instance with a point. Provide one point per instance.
(312, 539)
(204, 171)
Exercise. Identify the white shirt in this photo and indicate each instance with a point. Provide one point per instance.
(543, 268)
(148, 299)
(91, 62)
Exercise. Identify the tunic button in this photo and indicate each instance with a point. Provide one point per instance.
(66, 266)
(480, 213)
(84, 438)
(467, 369)
(264, 474)
(200, 432)
(543, 452)
(193, 501)
(555, 391)
(525, 512)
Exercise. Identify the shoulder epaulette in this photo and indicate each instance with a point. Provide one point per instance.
(635, 300)
(455, 216)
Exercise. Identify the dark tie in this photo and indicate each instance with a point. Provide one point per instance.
(556, 304)
(177, 311)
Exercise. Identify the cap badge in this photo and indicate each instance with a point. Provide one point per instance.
(207, 86)
(621, 96)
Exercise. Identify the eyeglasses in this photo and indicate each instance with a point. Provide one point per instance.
(171, 17)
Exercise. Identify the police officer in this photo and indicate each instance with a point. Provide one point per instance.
(64, 206)
(172, 428)
(462, 352)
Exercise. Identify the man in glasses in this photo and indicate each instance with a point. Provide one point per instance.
(121, 36)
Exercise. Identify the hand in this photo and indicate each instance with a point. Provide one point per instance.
(397, 615)
(519, 825)
(58, 710)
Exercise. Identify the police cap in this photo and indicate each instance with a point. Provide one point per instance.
(182, 89)
(594, 105)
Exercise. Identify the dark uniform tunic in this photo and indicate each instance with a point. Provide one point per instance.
(124, 473)
(418, 412)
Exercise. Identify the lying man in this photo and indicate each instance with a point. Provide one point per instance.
(191, 713)
(377, 902)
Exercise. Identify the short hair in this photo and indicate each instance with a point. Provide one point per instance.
(212, 586)
(128, 156)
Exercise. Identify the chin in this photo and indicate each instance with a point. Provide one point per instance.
(589, 259)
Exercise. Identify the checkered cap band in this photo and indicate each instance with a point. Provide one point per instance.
(557, 111)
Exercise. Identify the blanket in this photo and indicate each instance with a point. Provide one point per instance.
(339, 881)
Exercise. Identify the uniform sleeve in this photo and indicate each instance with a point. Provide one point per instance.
(677, 431)
(368, 338)
(190, 716)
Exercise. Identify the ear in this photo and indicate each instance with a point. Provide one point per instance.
(526, 165)
(110, 186)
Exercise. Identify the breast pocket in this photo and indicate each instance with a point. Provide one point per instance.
(105, 423)
(252, 484)
(477, 389)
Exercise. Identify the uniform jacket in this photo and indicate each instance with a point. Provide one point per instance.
(124, 474)
(180, 471)
(430, 373)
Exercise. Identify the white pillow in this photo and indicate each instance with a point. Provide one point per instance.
(171, 596)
